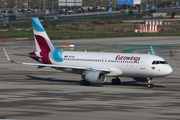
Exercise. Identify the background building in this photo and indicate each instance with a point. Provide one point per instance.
(70, 2)
(55, 5)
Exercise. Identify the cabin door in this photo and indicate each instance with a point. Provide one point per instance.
(143, 63)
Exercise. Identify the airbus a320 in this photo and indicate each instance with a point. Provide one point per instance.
(95, 67)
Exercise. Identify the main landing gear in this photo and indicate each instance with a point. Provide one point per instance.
(84, 81)
(115, 81)
(150, 85)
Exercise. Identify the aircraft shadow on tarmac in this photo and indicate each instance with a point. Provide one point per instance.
(76, 82)
(135, 83)
(29, 77)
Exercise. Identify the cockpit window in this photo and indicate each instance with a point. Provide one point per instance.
(162, 62)
(159, 62)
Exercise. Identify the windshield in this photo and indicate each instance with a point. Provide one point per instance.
(159, 62)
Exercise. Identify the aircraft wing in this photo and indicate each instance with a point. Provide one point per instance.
(53, 65)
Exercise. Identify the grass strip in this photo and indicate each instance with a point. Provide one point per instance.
(80, 34)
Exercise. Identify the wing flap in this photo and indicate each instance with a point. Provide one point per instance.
(101, 69)
(56, 66)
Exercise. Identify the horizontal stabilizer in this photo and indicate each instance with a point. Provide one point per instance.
(32, 56)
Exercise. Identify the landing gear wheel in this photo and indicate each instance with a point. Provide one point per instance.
(115, 81)
(150, 86)
(118, 81)
(84, 82)
(87, 83)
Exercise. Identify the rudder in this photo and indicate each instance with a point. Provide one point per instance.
(42, 40)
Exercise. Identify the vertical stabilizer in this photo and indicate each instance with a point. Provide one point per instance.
(42, 41)
(152, 50)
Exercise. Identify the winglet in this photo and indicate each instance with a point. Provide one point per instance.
(152, 51)
(7, 56)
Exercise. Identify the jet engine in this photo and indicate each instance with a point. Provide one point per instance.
(95, 76)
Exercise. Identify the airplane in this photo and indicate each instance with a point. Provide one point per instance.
(95, 67)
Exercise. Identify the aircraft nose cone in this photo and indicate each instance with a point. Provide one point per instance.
(169, 70)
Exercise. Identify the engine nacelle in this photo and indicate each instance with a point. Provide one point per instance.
(95, 76)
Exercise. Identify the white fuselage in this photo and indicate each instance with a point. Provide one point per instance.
(120, 64)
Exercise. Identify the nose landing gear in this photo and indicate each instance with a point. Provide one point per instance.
(150, 85)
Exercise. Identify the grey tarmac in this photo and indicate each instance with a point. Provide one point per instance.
(28, 93)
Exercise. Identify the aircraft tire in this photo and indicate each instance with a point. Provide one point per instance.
(118, 81)
(113, 81)
(84, 82)
(150, 85)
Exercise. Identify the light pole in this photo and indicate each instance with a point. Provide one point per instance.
(114, 5)
(27, 4)
(53, 5)
(5, 2)
(16, 4)
(44, 3)
(85, 6)
(156, 4)
(177, 4)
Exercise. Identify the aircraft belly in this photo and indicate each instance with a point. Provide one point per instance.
(115, 71)
(130, 70)
(137, 73)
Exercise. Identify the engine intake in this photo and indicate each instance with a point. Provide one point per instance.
(95, 76)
